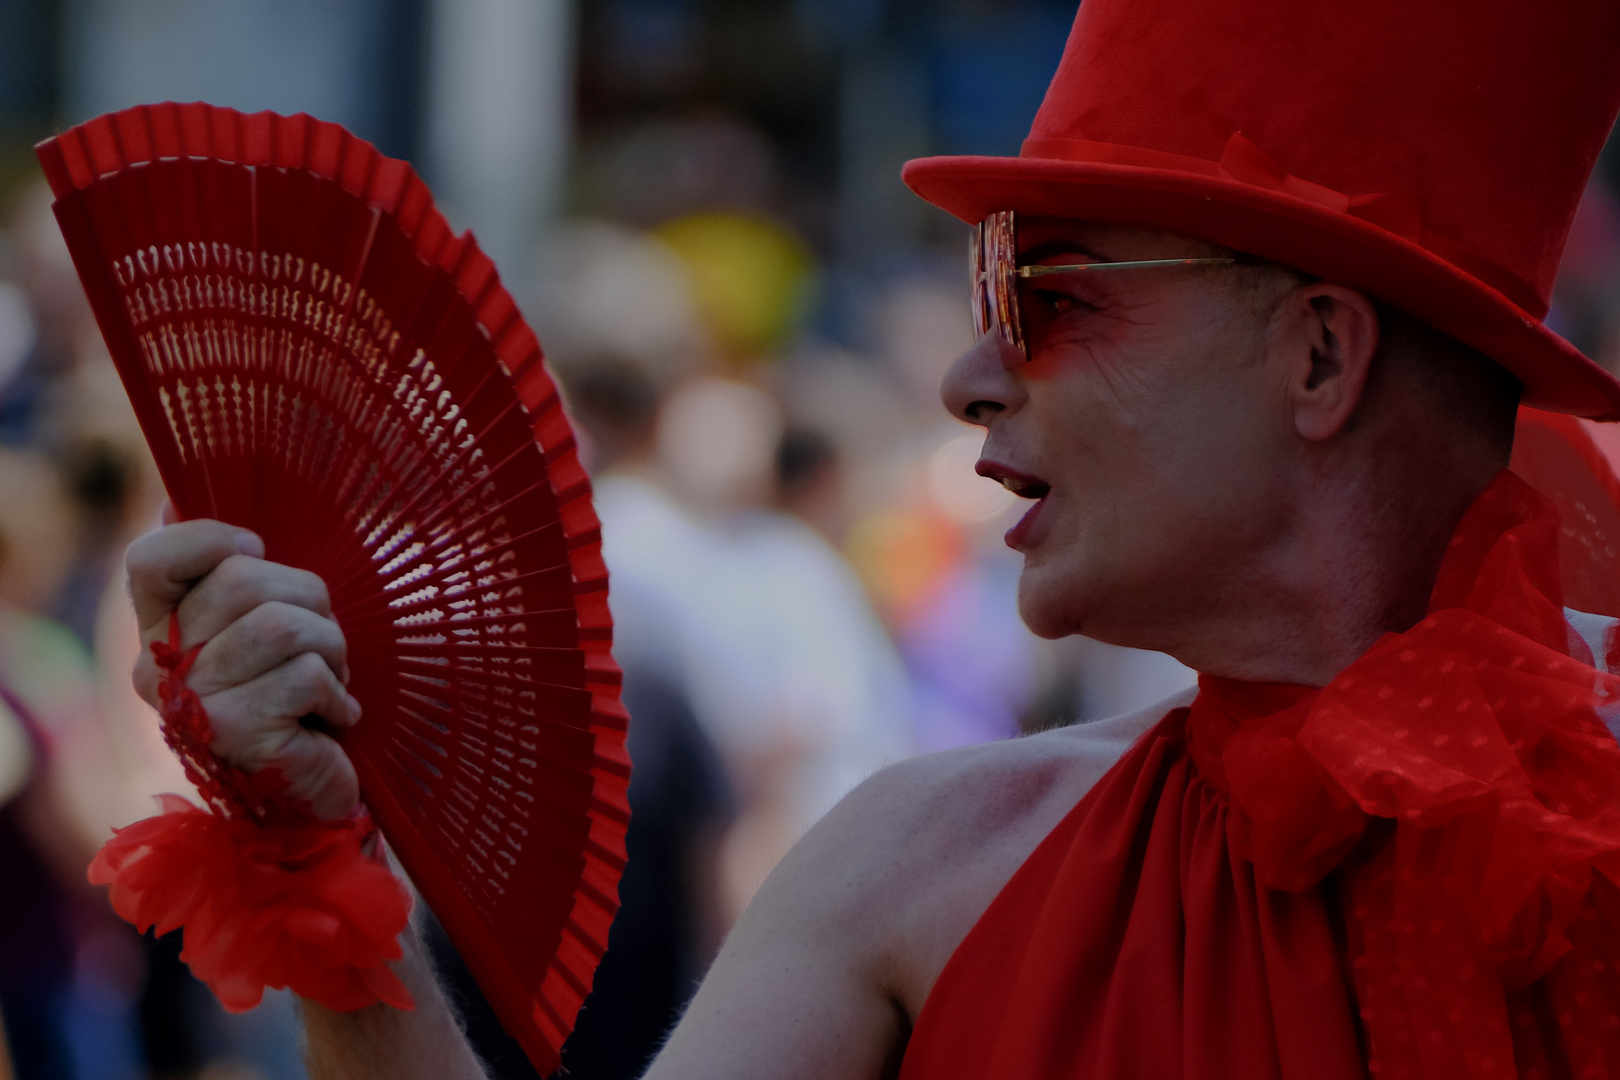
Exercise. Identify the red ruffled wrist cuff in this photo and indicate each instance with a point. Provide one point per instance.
(267, 893)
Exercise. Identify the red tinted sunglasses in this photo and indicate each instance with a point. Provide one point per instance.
(996, 275)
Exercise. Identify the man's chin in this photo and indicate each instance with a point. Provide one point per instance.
(1049, 610)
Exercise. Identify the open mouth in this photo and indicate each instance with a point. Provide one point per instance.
(1025, 486)
(1021, 484)
(1026, 489)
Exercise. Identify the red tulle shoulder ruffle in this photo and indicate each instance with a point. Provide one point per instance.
(267, 893)
(1471, 748)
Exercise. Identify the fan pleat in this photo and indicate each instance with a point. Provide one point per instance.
(314, 354)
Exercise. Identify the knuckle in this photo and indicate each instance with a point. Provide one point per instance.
(311, 675)
(153, 553)
(238, 583)
(141, 554)
(273, 624)
(242, 583)
(319, 771)
(313, 585)
(241, 731)
(336, 642)
(145, 560)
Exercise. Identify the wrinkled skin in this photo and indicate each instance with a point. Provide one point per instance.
(273, 654)
(1148, 412)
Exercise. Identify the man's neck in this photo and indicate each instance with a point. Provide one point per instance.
(1359, 562)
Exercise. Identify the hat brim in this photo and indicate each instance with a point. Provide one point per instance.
(1289, 230)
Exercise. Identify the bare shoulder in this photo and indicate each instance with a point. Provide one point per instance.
(827, 969)
(909, 861)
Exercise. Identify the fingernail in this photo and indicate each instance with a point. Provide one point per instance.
(354, 708)
(249, 544)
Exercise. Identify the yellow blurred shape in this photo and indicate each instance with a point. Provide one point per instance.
(751, 278)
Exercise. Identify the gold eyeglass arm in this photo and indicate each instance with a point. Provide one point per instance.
(1039, 270)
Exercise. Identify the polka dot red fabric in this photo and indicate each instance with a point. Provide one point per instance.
(1408, 873)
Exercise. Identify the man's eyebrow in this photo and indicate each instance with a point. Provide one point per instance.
(1041, 252)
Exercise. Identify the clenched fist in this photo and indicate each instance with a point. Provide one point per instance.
(274, 665)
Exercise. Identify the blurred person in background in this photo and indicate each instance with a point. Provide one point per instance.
(65, 399)
(669, 922)
(747, 608)
(76, 485)
(67, 969)
(45, 323)
(804, 683)
(810, 479)
(670, 919)
(926, 539)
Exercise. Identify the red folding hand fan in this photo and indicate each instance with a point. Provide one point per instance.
(314, 356)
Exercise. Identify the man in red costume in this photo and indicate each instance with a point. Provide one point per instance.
(1261, 301)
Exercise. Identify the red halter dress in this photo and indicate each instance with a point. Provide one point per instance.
(1407, 873)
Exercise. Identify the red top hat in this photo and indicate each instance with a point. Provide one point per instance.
(1429, 152)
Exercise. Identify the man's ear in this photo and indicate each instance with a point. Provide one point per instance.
(1329, 335)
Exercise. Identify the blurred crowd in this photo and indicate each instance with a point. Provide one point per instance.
(808, 578)
(808, 584)
(81, 994)
(697, 203)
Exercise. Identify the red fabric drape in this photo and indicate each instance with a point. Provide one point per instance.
(1408, 873)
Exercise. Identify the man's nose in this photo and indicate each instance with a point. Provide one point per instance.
(980, 385)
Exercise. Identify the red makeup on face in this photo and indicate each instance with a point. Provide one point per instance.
(1132, 426)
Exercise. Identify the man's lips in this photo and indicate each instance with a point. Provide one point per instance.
(1015, 535)
(1022, 484)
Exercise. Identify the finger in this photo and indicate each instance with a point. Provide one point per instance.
(164, 565)
(264, 639)
(252, 720)
(241, 585)
(255, 721)
(318, 770)
(257, 725)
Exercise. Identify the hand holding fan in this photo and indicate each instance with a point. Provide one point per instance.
(313, 355)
